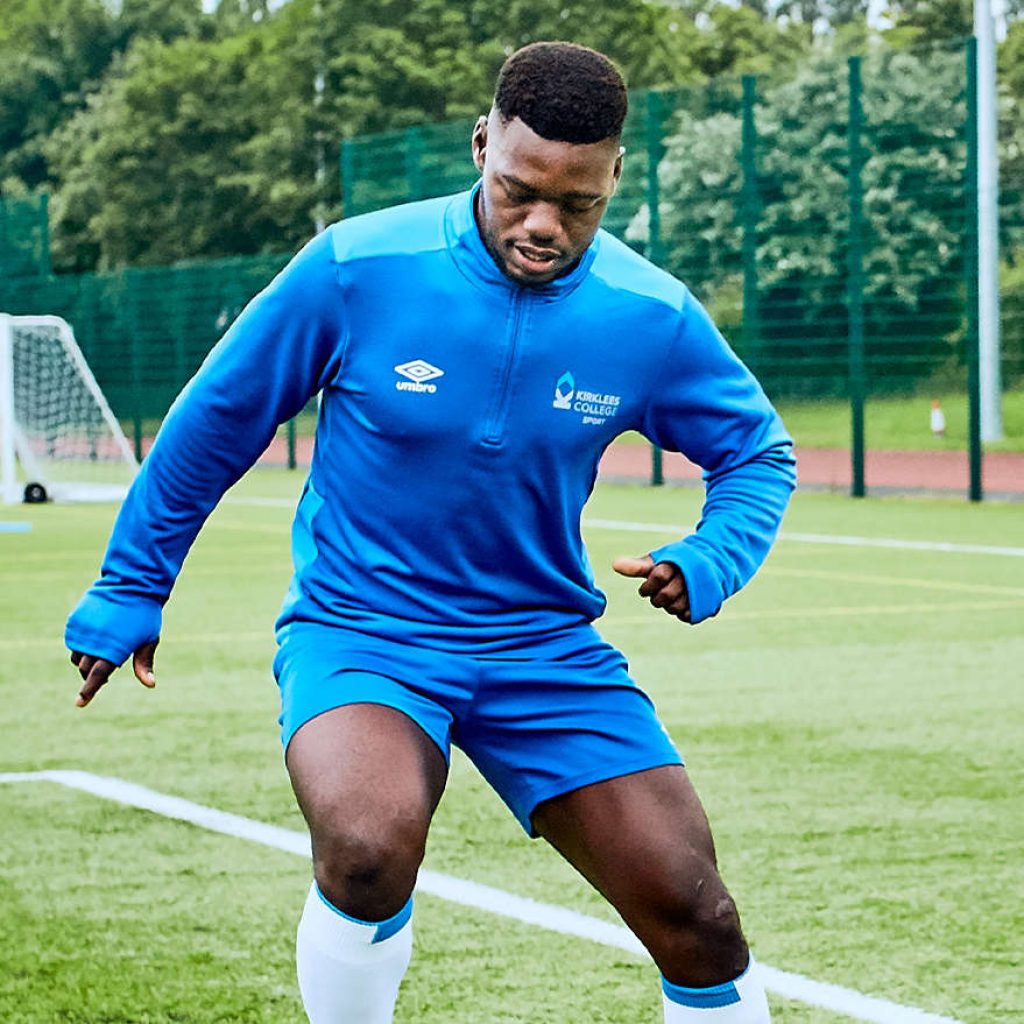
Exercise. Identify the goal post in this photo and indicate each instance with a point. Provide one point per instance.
(58, 436)
(8, 476)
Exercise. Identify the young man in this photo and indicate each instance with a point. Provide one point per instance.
(475, 354)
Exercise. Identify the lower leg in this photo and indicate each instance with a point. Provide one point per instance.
(644, 842)
(350, 970)
(708, 974)
(367, 780)
(739, 1001)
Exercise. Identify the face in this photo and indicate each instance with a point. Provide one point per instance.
(541, 201)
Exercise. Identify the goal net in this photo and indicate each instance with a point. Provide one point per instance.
(58, 437)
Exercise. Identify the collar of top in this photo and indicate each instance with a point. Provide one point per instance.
(477, 264)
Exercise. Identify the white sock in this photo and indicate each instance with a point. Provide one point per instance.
(349, 970)
(741, 1001)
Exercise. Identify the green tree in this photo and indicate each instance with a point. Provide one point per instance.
(165, 20)
(155, 169)
(913, 208)
(738, 40)
(52, 54)
(208, 131)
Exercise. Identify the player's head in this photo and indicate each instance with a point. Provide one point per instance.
(549, 156)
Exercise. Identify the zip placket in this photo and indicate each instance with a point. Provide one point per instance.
(494, 430)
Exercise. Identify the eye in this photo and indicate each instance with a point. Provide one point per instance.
(581, 205)
(517, 195)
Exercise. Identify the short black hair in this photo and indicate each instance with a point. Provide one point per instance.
(564, 92)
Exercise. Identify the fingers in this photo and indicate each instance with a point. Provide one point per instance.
(95, 672)
(635, 567)
(670, 591)
(142, 664)
(665, 587)
(657, 579)
(680, 608)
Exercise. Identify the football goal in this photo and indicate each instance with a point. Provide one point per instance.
(58, 438)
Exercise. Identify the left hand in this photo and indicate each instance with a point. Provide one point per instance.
(96, 671)
(663, 584)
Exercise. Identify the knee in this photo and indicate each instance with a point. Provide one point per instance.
(695, 934)
(715, 919)
(368, 867)
(701, 906)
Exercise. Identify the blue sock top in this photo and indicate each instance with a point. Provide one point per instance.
(385, 929)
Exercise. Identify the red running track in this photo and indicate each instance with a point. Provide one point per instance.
(941, 472)
(830, 469)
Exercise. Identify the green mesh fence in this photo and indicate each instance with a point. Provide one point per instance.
(744, 190)
(1011, 231)
(827, 221)
(145, 331)
(24, 236)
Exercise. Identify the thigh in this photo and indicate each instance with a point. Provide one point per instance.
(563, 715)
(320, 668)
(366, 742)
(633, 836)
(364, 769)
(367, 779)
(366, 729)
(643, 841)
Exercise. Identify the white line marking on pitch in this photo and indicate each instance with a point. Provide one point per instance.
(799, 538)
(473, 894)
(821, 538)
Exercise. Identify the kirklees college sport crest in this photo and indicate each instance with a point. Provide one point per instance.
(595, 407)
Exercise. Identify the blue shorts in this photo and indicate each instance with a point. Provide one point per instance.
(537, 721)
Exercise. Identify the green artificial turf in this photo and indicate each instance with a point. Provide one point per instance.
(897, 424)
(852, 721)
(892, 424)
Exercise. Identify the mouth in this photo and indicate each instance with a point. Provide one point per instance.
(536, 260)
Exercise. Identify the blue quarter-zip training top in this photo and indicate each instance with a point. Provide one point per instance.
(462, 420)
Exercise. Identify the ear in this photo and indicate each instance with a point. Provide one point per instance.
(479, 142)
(617, 169)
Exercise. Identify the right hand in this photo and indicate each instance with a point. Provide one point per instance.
(664, 584)
(96, 671)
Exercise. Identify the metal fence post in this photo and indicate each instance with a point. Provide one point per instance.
(971, 275)
(348, 177)
(855, 280)
(135, 364)
(45, 263)
(181, 281)
(750, 212)
(414, 162)
(292, 460)
(655, 150)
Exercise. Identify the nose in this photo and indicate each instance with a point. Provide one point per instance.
(543, 221)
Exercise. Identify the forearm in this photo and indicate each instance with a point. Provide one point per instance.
(197, 457)
(742, 512)
(281, 351)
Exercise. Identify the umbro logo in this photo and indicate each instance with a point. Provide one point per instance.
(417, 372)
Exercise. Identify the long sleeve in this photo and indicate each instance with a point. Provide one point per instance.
(283, 348)
(709, 407)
